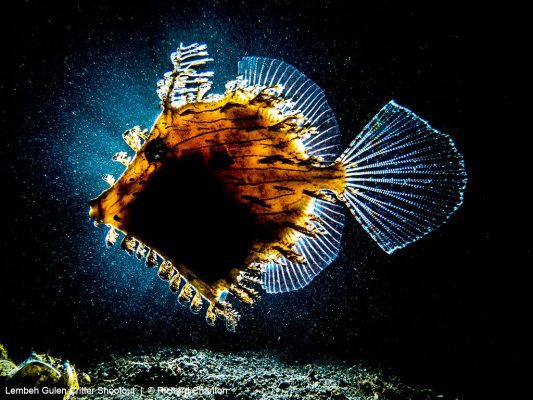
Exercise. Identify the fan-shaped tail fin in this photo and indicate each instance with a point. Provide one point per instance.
(403, 178)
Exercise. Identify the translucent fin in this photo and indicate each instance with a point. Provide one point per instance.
(307, 97)
(404, 178)
(320, 251)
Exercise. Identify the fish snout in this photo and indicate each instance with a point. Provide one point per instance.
(95, 210)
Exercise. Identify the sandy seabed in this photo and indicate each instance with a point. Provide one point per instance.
(172, 373)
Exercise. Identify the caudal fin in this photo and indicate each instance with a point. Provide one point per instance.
(403, 178)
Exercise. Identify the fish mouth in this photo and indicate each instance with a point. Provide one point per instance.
(95, 211)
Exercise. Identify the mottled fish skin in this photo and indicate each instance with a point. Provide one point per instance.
(250, 150)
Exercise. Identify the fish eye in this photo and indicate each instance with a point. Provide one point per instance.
(155, 150)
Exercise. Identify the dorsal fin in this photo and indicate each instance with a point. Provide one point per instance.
(320, 251)
(307, 97)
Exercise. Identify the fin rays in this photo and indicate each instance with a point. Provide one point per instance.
(306, 97)
(404, 178)
(283, 275)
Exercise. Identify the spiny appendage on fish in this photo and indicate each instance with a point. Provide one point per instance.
(216, 188)
(229, 189)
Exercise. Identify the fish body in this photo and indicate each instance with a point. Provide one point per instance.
(228, 192)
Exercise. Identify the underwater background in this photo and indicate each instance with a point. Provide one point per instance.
(76, 75)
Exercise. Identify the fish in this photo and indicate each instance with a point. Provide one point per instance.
(236, 194)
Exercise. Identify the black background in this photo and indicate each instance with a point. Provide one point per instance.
(447, 313)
